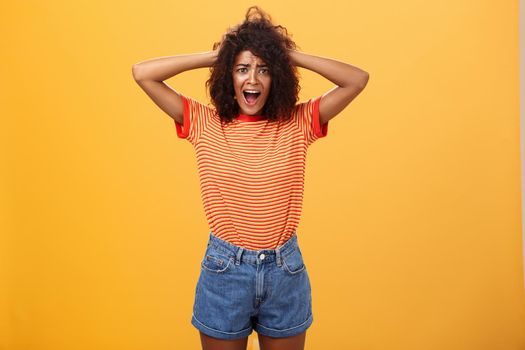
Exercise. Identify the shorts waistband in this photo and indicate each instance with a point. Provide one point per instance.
(254, 256)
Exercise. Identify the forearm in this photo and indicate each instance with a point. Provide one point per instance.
(340, 73)
(162, 68)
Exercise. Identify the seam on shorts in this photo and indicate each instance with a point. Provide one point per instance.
(287, 329)
(216, 330)
(222, 250)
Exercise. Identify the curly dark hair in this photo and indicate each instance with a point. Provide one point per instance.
(270, 42)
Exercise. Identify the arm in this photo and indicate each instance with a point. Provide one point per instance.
(350, 82)
(150, 76)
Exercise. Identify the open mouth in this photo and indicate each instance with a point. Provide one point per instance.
(251, 96)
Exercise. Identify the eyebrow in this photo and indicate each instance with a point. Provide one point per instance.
(247, 65)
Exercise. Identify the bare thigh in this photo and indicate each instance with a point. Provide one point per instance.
(290, 343)
(211, 343)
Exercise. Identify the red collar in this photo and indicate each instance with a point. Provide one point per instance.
(249, 118)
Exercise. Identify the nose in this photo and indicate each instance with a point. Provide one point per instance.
(252, 77)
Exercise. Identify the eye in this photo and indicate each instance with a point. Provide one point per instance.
(264, 70)
(242, 70)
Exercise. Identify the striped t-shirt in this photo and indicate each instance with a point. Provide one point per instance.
(251, 171)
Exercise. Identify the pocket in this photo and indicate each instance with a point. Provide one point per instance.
(216, 262)
(293, 262)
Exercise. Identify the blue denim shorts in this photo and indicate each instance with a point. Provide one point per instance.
(240, 290)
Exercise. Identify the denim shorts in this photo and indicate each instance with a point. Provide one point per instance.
(240, 290)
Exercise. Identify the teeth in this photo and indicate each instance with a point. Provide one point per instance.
(252, 91)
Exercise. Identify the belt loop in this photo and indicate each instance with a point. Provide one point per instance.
(278, 257)
(238, 257)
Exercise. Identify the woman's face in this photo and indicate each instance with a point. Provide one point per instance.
(251, 82)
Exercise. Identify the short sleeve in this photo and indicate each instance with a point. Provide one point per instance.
(307, 118)
(195, 120)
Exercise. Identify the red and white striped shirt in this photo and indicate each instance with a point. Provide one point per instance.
(251, 171)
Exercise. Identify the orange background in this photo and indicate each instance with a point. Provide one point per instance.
(411, 219)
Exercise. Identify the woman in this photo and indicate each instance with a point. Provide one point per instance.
(251, 148)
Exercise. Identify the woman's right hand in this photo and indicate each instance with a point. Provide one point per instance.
(214, 55)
